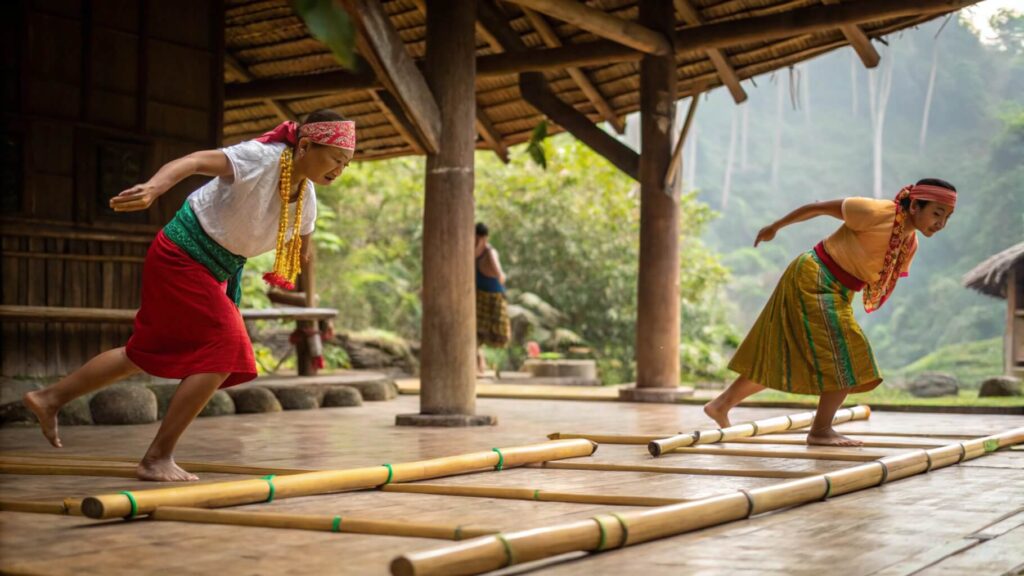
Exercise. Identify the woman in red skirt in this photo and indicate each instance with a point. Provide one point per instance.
(189, 327)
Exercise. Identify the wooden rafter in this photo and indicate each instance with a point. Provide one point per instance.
(392, 110)
(486, 130)
(279, 109)
(600, 23)
(725, 70)
(380, 44)
(860, 42)
(677, 153)
(591, 91)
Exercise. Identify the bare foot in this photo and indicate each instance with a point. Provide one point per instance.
(830, 438)
(163, 471)
(716, 414)
(45, 413)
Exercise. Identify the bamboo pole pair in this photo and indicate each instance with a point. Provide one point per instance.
(320, 522)
(221, 494)
(755, 428)
(531, 494)
(741, 472)
(616, 530)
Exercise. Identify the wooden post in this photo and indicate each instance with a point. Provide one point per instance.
(448, 352)
(657, 326)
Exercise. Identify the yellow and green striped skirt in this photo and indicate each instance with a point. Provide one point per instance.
(806, 339)
(492, 324)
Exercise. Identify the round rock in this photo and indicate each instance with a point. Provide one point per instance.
(341, 396)
(254, 399)
(933, 385)
(220, 404)
(297, 399)
(1000, 386)
(124, 405)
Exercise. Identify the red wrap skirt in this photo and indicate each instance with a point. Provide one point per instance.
(187, 324)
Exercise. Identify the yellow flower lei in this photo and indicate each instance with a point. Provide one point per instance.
(288, 254)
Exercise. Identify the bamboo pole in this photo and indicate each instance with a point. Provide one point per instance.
(609, 531)
(68, 470)
(320, 522)
(221, 494)
(740, 472)
(632, 439)
(206, 467)
(68, 506)
(802, 442)
(755, 428)
(531, 494)
(841, 455)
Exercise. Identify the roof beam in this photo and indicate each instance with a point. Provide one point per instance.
(677, 153)
(717, 35)
(591, 91)
(860, 42)
(601, 23)
(279, 109)
(725, 70)
(380, 44)
(486, 130)
(392, 110)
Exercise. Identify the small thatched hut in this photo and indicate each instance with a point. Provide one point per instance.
(1002, 276)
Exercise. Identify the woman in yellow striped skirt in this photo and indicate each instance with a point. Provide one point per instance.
(806, 339)
(492, 323)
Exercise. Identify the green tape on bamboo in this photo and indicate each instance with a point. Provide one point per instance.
(135, 505)
(604, 535)
(828, 487)
(391, 473)
(458, 533)
(270, 483)
(991, 445)
(536, 494)
(508, 550)
(336, 525)
(625, 528)
(501, 460)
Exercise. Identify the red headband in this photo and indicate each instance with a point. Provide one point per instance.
(930, 193)
(338, 133)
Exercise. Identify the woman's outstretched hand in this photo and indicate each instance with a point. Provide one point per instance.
(138, 197)
(766, 234)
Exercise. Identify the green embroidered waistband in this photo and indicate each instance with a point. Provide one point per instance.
(185, 231)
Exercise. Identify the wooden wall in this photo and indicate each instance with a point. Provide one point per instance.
(97, 95)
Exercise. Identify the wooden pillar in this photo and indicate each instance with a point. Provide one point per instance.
(448, 332)
(657, 326)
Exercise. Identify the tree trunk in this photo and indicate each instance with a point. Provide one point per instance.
(879, 91)
(744, 131)
(729, 159)
(928, 97)
(780, 94)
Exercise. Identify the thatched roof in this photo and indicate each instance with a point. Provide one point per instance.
(265, 40)
(990, 276)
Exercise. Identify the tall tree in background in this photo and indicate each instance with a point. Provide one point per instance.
(878, 96)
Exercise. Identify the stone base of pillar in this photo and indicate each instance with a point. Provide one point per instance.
(445, 420)
(658, 395)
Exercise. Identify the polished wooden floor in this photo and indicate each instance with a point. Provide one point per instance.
(930, 524)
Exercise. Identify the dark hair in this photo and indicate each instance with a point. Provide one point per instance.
(323, 115)
(481, 229)
(905, 203)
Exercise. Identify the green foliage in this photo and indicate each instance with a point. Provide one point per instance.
(971, 363)
(535, 147)
(328, 22)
